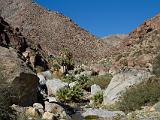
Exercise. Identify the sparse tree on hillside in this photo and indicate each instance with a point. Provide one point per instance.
(66, 60)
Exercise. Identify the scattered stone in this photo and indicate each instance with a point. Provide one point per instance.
(48, 116)
(47, 74)
(51, 99)
(53, 107)
(143, 114)
(42, 79)
(58, 110)
(105, 114)
(18, 108)
(95, 89)
(31, 112)
(55, 85)
(37, 106)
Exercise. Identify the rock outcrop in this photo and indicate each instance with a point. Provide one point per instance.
(123, 81)
(15, 73)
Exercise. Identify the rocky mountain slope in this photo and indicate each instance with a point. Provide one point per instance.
(140, 47)
(114, 40)
(53, 31)
(114, 88)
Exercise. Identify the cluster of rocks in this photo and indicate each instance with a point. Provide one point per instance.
(48, 111)
(130, 62)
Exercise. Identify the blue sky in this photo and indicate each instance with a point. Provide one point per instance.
(105, 17)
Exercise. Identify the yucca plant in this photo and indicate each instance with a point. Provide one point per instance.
(74, 94)
(98, 98)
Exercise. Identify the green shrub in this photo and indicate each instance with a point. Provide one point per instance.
(70, 78)
(66, 59)
(56, 67)
(83, 81)
(79, 70)
(103, 80)
(143, 94)
(74, 94)
(98, 98)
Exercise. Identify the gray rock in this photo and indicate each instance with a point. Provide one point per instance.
(47, 74)
(37, 106)
(99, 113)
(44, 76)
(42, 80)
(55, 85)
(52, 99)
(122, 81)
(95, 89)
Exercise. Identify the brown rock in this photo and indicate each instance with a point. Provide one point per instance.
(16, 74)
(48, 116)
(31, 112)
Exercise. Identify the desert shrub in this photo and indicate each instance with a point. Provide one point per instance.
(56, 67)
(106, 62)
(140, 95)
(6, 112)
(124, 61)
(69, 95)
(78, 70)
(156, 65)
(69, 78)
(98, 98)
(83, 81)
(66, 59)
(103, 80)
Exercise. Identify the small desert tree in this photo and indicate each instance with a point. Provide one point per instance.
(66, 60)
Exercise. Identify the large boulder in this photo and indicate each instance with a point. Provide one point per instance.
(54, 85)
(103, 114)
(15, 73)
(122, 81)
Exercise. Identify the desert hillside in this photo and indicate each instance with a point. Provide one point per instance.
(117, 77)
(52, 30)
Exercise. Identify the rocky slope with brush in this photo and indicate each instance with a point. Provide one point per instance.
(52, 30)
